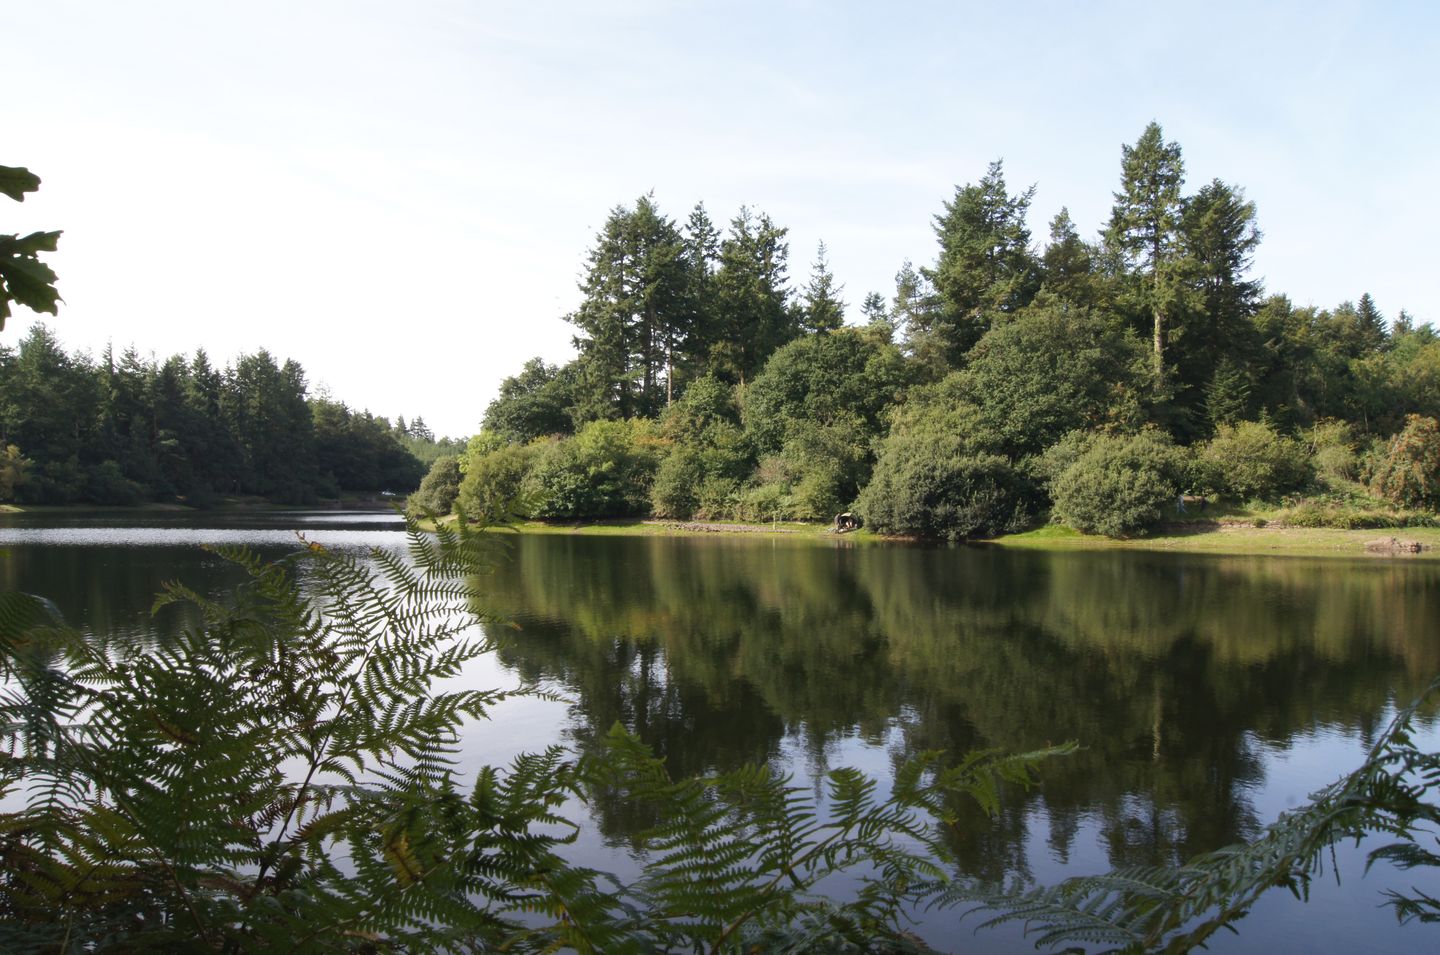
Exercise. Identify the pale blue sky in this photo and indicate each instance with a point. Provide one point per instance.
(400, 195)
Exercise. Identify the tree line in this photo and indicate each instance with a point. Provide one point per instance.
(1092, 379)
(127, 429)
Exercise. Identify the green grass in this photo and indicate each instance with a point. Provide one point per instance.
(1276, 541)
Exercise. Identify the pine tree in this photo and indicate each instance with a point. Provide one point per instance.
(1372, 324)
(1404, 324)
(1219, 241)
(634, 314)
(914, 299)
(874, 310)
(985, 263)
(752, 296)
(823, 311)
(1144, 229)
(1068, 262)
(702, 259)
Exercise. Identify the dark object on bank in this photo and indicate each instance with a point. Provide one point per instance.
(847, 522)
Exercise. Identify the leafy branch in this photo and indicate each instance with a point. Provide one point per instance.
(23, 277)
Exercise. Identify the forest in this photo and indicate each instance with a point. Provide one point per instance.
(1094, 381)
(128, 429)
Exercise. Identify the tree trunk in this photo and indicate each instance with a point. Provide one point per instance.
(669, 371)
(1159, 345)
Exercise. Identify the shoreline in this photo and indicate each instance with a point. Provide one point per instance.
(1220, 538)
(1224, 536)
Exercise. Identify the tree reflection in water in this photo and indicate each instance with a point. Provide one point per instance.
(1173, 672)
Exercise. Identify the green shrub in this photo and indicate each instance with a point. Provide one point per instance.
(1321, 513)
(1120, 483)
(709, 459)
(1250, 461)
(109, 485)
(676, 491)
(492, 490)
(708, 403)
(1332, 451)
(1409, 473)
(606, 470)
(845, 375)
(826, 464)
(438, 489)
(767, 501)
(928, 483)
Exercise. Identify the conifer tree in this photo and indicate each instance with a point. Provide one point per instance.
(874, 310)
(1068, 262)
(1144, 229)
(752, 296)
(1372, 324)
(1219, 240)
(702, 258)
(914, 300)
(823, 310)
(985, 264)
(633, 314)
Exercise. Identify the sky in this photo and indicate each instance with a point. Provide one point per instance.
(400, 195)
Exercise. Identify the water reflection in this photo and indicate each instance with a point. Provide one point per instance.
(1208, 693)
(103, 568)
(1174, 672)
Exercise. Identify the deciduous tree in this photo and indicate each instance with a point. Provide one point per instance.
(24, 278)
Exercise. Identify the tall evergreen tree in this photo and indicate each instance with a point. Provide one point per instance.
(824, 311)
(1144, 230)
(702, 259)
(1069, 263)
(1220, 236)
(914, 300)
(634, 314)
(1372, 323)
(264, 405)
(752, 296)
(985, 265)
(874, 309)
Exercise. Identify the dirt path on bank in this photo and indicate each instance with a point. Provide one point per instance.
(703, 528)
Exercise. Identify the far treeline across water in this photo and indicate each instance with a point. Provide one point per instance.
(1094, 381)
(127, 429)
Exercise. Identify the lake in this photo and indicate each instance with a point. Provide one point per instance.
(1208, 693)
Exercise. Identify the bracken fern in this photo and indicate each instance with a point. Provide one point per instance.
(1158, 909)
(281, 776)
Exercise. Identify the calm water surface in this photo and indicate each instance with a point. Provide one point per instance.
(1209, 693)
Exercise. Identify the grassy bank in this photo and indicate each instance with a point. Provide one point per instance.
(1217, 537)
(1225, 535)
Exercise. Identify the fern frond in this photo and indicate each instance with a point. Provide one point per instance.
(1177, 909)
